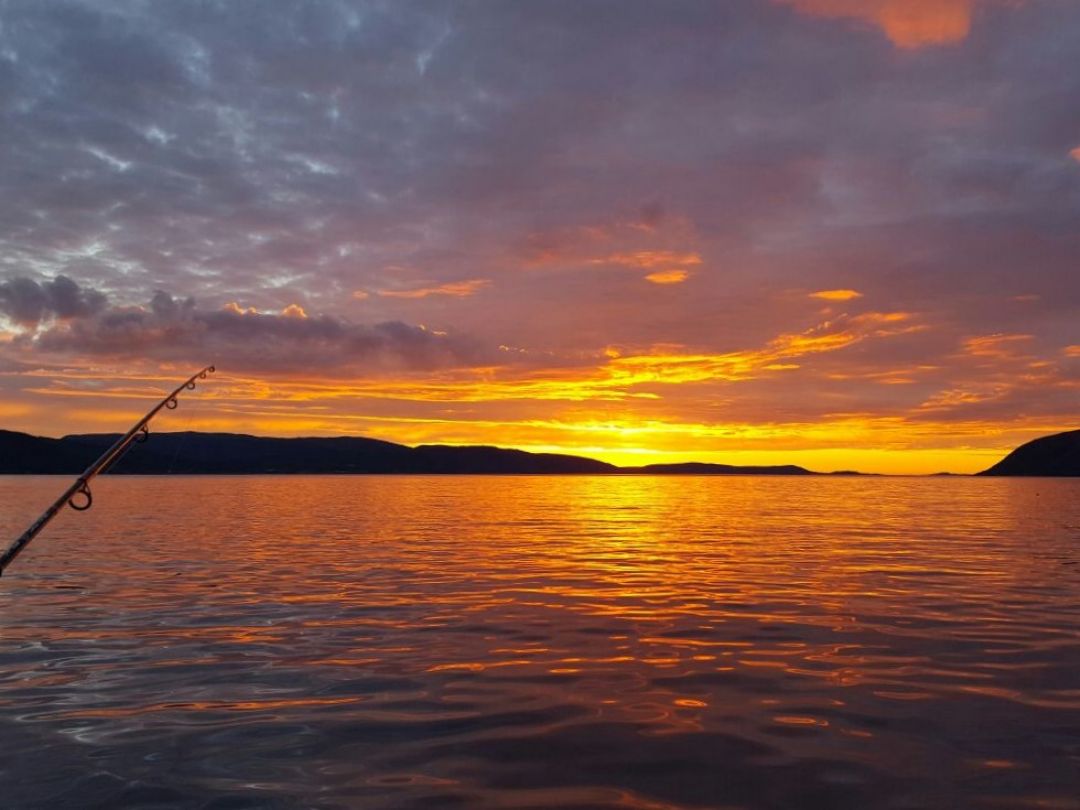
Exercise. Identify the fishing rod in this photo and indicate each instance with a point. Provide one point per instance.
(81, 488)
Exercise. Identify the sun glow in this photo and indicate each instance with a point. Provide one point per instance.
(519, 413)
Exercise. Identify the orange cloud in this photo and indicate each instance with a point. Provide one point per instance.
(958, 397)
(616, 377)
(630, 240)
(649, 259)
(907, 23)
(236, 309)
(1075, 154)
(667, 266)
(1071, 351)
(836, 295)
(671, 276)
(996, 346)
(670, 366)
(455, 289)
(293, 311)
(360, 295)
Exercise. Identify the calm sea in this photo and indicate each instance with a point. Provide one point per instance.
(495, 642)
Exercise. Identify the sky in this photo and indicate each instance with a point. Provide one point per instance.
(837, 233)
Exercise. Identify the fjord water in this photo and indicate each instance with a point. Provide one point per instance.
(641, 642)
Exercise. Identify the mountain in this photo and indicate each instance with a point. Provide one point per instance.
(1057, 455)
(218, 453)
(21, 453)
(233, 453)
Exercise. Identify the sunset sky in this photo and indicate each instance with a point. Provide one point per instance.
(836, 233)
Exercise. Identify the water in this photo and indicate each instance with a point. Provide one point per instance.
(632, 642)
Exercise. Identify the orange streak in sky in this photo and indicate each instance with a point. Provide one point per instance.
(836, 295)
(454, 289)
(625, 404)
(672, 276)
(908, 24)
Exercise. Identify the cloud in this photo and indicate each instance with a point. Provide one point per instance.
(650, 259)
(236, 309)
(29, 303)
(996, 346)
(454, 289)
(666, 266)
(836, 295)
(294, 311)
(173, 329)
(674, 365)
(907, 23)
(671, 276)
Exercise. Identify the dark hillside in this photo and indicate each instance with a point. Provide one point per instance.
(1056, 455)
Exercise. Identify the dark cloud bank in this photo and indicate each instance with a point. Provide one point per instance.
(27, 302)
(60, 317)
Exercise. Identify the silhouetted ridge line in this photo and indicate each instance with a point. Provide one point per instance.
(232, 453)
(237, 453)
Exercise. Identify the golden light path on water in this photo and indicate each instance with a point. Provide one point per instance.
(529, 642)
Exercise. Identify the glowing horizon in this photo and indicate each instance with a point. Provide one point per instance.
(296, 408)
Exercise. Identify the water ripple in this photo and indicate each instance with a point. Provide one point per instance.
(652, 643)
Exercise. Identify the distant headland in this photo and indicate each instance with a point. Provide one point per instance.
(234, 453)
(1056, 455)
